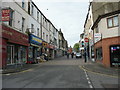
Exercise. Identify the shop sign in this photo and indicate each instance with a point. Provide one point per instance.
(5, 14)
(35, 40)
(44, 44)
(97, 37)
(14, 36)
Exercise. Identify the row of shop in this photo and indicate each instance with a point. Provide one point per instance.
(20, 48)
(105, 51)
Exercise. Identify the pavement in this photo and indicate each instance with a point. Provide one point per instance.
(18, 68)
(101, 69)
(89, 66)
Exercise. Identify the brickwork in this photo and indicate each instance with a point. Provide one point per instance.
(105, 44)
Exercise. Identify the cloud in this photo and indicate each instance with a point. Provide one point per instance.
(69, 16)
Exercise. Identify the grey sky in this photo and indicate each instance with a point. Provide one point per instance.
(69, 16)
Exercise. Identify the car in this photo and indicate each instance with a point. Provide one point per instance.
(78, 55)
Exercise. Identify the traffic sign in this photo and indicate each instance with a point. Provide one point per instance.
(86, 39)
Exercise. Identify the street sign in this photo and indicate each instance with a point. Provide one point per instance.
(86, 39)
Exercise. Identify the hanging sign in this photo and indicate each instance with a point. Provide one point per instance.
(6, 15)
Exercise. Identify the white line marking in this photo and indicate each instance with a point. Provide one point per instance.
(89, 82)
(7, 74)
(91, 86)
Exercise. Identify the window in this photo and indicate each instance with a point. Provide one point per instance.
(11, 18)
(29, 8)
(97, 31)
(32, 28)
(23, 23)
(23, 4)
(46, 37)
(37, 16)
(38, 32)
(99, 53)
(112, 21)
(43, 35)
(32, 10)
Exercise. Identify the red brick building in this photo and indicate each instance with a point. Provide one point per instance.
(107, 44)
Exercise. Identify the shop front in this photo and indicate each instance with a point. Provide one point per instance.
(35, 48)
(51, 51)
(14, 46)
(115, 55)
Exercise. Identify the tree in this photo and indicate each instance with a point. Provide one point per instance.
(76, 47)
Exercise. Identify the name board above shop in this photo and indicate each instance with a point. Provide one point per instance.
(35, 40)
(6, 14)
(14, 36)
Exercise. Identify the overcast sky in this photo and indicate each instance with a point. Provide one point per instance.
(69, 15)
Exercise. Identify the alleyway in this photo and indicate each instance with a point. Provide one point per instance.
(59, 73)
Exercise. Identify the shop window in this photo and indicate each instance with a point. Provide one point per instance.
(99, 54)
(10, 54)
(115, 55)
(112, 21)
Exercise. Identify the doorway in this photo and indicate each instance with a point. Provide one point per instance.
(10, 54)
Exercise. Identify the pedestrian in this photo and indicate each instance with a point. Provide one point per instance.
(85, 57)
(68, 55)
(72, 54)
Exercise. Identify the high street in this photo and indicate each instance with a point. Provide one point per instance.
(59, 73)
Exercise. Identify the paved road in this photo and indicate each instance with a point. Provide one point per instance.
(59, 73)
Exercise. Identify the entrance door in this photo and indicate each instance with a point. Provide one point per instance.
(115, 55)
(10, 54)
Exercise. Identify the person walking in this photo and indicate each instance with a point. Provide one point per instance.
(72, 54)
(85, 57)
(68, 55)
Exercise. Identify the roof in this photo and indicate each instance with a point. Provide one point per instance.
(103, 16)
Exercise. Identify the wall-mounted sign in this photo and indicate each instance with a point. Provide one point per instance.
(14, 36)
(6, 14)
(97, 37)
(35, 40)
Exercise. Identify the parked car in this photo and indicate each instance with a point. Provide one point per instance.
(78, 55)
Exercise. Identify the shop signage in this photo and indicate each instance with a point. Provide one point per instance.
(35, 40)
(5, 14)
(14, 36)
(44, 44)
(97, 37)
(51, 46)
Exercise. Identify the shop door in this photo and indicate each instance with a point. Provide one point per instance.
(10, 54)
(115, 55)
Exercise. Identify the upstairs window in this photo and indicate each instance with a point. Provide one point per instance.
(32, 8)
(37, 16)
(23, 23)
(23, 4)
(11, 19)
(38, 32)
(112, 22)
